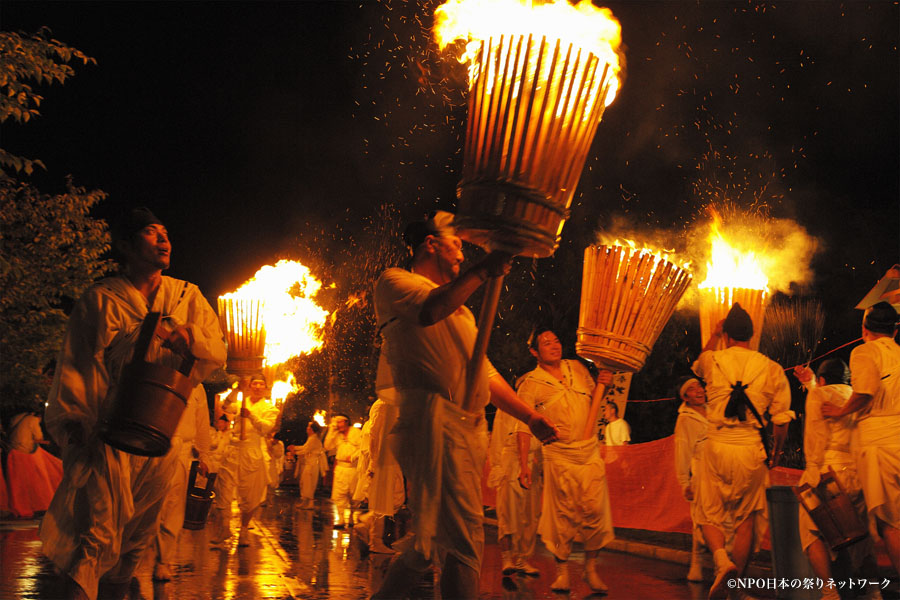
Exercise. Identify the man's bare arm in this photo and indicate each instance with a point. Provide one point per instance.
(444, 300)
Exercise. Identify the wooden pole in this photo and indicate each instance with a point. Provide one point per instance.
(597, 399)
(485, 324)
(243, 400)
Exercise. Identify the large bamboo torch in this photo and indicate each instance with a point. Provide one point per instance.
(245, 332)
(540, 79)
(627, 297)
(732, 276)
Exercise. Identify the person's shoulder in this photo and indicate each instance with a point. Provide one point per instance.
(578, 366)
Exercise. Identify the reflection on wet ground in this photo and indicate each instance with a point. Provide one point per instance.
(295, 553)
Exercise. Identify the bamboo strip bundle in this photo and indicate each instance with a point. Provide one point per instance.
(627, 297)
(241, 320)
(715, 302)
(533, 110)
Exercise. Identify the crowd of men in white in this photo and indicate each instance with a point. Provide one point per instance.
(550, 478)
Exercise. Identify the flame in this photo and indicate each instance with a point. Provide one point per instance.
(661, 254)
(292, 319)
(732, 267)
(282, 389)
(319, 417)
(582, 25)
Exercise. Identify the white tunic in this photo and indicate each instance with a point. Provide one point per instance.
(311, 464)
(440, 448)
(252, 467)
(875, 371)
(517, 508)
(576, 494)
(618, 433)
(690, 434)
(191, 435)
(105, 510)
(826, 445)
(732, 475)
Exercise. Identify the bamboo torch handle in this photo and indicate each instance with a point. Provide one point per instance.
(243, 418)
(485, 324)
(599, 393)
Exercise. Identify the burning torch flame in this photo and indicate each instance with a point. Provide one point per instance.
(282, 389)
(319, 417)
(730, 267)
(292, 319)
(587, 27)
(661, 254)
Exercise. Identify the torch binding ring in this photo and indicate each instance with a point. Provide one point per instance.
(614, 350)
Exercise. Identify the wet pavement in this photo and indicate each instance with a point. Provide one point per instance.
(296, 553)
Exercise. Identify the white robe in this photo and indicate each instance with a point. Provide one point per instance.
(311, 464)
(192, 434)
(875, 371)
(252, 466)
(440, 448)
(690, 435)
(386, 492)
(105, 511)
(732, 474)
(346, 454)
(576, 494)
(826, 444)
(518, 509)
(618, 433)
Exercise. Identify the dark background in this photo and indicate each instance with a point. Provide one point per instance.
(313, 130)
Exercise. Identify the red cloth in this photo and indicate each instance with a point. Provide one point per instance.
(32, 480)
(4, 496)
(643, 490)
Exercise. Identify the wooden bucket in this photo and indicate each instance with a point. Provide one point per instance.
(199, 500)
(534, 107)
(149, 401)
(627, 297)
(832, 511)
(716, 302)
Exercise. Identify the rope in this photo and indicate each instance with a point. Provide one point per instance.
(630, 401)
(859, 339)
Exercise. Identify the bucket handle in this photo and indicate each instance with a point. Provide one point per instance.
(192, 478)
(148, 328)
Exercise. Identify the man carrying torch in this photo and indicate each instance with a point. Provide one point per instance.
(741, 385)
(428, 338)
(576, 495)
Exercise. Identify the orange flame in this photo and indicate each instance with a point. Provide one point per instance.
(319, 417)
(292, 319)
(282, 389)
(730, 266)
(583, 25)
(644, 249)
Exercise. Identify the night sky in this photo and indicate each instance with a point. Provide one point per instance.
(265, 130)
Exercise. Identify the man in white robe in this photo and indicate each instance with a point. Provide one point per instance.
(518, 507)
(875, 379)
(191, 440)
(223, 462)
(342, 441)
(618, 431)
(826, 446)
(106, 509)
(383, 486)
(311, 464)
(690, 435)
(576, 494)
(429, 336)
(732, 476)
(252, 451)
